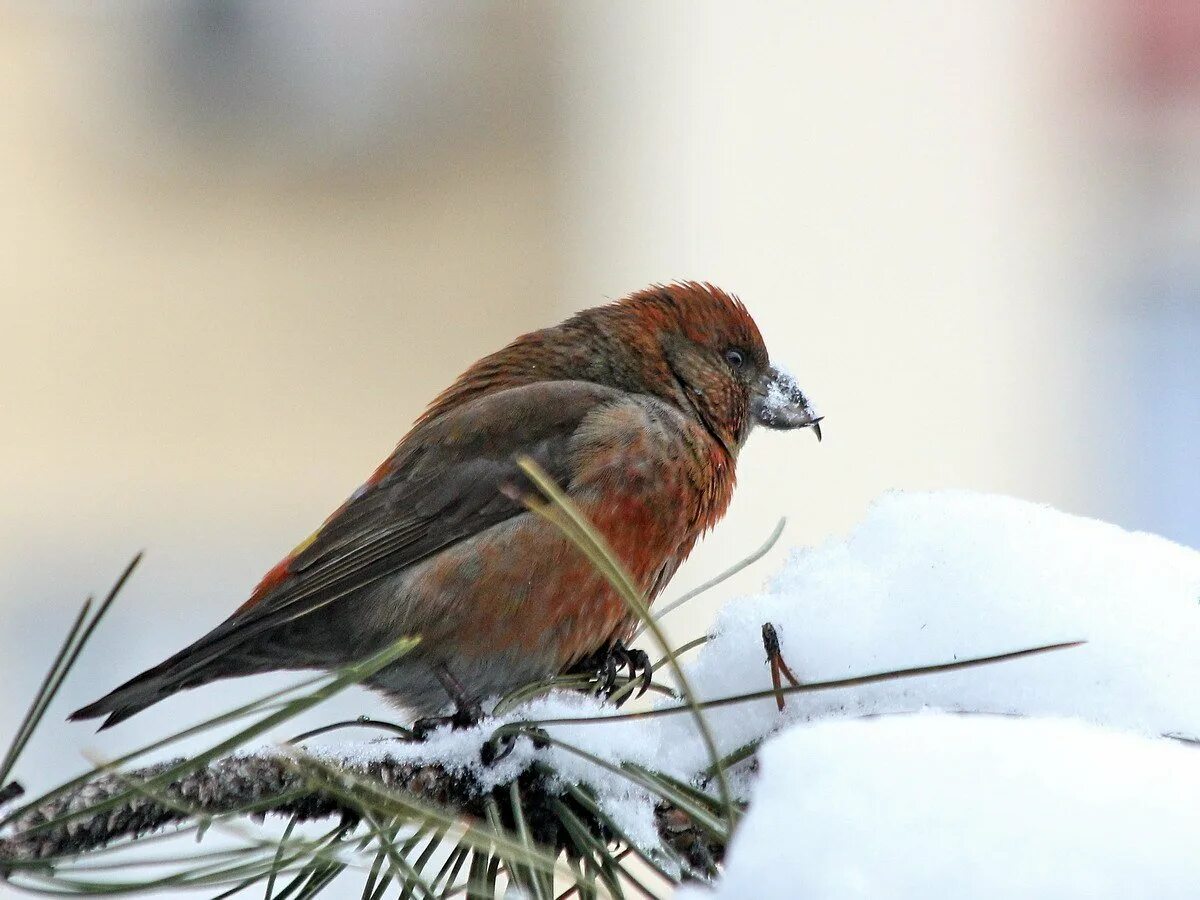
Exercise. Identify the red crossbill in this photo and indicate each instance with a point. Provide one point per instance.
(637, 409)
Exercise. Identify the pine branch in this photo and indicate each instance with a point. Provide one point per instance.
(260, 784)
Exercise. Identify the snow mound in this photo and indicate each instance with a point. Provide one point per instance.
(935, 577)
(935, 805)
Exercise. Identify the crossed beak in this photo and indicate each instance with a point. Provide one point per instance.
(779, 403)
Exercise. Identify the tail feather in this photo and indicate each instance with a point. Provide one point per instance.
(204, 661)
(131, 697)
(114, 714)
(222, 653)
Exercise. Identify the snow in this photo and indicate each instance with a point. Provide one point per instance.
(631, 807)
(936, 577)
(934, 805)
(1028, 806)
(784, 393)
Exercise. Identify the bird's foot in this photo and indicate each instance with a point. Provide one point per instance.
(637, 662)
(466, 715)
(501, 744)
(611, 661)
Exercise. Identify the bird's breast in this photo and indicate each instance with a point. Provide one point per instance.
(649, 482)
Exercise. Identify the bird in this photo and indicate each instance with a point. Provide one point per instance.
(637, 409)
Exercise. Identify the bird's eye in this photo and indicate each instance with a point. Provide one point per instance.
(735, 357)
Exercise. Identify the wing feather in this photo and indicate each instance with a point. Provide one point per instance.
(442, 485)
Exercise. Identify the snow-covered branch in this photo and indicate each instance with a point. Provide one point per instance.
(273, 784)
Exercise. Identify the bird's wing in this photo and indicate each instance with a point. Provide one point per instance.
(446, 482)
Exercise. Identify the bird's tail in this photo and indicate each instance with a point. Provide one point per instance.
(191, 667)
(130, 698)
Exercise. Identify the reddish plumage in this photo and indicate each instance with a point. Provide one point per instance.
(638, 409)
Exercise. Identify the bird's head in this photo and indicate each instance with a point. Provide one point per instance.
(689, 343)
(697, 347)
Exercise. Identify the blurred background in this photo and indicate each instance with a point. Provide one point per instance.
(242, 244)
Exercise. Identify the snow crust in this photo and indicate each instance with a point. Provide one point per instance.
(934, 805)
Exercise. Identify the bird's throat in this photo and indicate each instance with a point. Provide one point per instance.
(699, 412)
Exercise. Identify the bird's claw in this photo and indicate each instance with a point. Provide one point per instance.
(608, 675)
(503, 743)
(616, 660)
(640, 669)
(465, 715)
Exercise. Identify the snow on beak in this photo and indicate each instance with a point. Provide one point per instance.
(779, 403)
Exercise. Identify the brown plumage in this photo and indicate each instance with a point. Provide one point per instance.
(637, 409)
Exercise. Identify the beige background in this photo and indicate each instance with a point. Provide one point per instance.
(242, 244)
